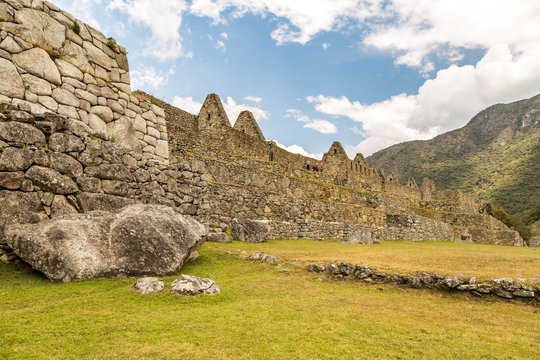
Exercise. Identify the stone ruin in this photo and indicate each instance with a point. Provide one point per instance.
(74, 139)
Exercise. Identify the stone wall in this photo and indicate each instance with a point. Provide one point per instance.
(52, 62)
(51, 165)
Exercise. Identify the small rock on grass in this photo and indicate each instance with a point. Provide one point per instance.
(192, 285)
(149, 285)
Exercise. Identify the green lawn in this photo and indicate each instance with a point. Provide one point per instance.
(405, 257)
(260, 314)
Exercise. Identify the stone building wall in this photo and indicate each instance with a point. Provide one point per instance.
(52, 165)
(52, 62)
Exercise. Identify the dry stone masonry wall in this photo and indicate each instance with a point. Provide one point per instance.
(251, 178)
(51, 165)
(52, 62)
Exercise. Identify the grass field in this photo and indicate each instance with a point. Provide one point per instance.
(264, 314)
(405, 257)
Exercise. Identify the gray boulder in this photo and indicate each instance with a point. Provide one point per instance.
(132, 241)
(192, 285)
(255, 231)
(149, 285)
(219, 237)
(360, 236)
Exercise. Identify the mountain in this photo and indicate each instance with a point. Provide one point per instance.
(495, 157)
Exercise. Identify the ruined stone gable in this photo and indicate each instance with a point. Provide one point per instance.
(247, 124)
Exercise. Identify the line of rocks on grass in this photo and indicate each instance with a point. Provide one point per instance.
(185, 285)
(339, 270)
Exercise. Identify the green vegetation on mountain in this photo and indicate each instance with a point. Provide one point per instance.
(495, 157)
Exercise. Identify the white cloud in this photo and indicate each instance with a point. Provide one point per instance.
(446, 102)
(299, 20)
(322, 126)
(232, 108)
(144, 77)
(325, 46)
(254, 99)
(221, 45)
(224, 35)
(187, 104)
(420, 29)
(297, 149)
(163, 18)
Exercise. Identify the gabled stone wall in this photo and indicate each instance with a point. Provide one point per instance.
(52, 62)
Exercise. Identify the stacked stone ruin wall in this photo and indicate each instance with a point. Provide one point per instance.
(52, 62)
(51, 165)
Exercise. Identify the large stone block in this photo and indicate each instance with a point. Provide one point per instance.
(54, 33)
(37, 62)
(20, 133)
(51, 180)
(255, 231)
(66, 164)
(19, 208)
(11, 84)
(360, 235)
(136, 240)
(37, 85)
(65, 143)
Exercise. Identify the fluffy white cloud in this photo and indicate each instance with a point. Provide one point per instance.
(145, 77)
(163, 18)
(254, 99)
(446, 102)
(299, 20)
(187, 104)
(322, 126)
(416, 29)
(232, 108)
(297, 149)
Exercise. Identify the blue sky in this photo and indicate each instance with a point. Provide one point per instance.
(368, 73)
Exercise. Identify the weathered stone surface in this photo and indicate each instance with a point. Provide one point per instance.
(114, 187)
(192, 285)
(64, 97)
(97, 56)
(102, 202)
(162, 149)
(360, 236)
(51, 180)
(69, 70)
(219, 237)
(103, 112)
(110, 172)
(149, 285)
(21, 134)
(454, 280)
(124, 133)
(11, 180)
(136, 240)
(10, 81)
(37, 85)
(14, 159)
(249, 230)
(37, 62)
(6, 12)
(19, 208)
(66, 164)
(96, 123)
(89, 184)
(54, 33)
(60, 206)
(65, 143)
(10, 45)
